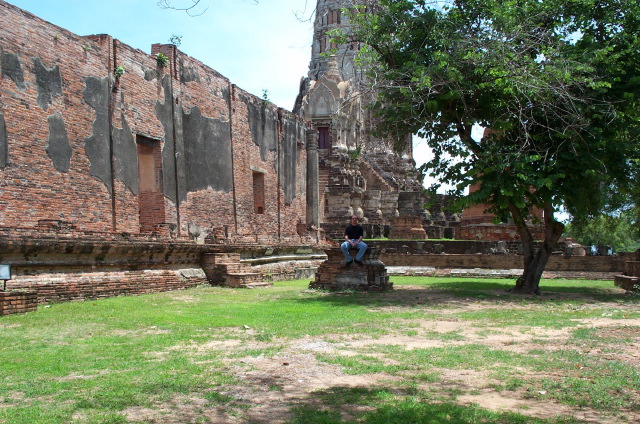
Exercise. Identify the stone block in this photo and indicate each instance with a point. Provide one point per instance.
(334, 275)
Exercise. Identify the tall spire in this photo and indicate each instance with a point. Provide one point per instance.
(329, 16)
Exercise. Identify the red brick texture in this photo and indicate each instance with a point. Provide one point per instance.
(333, 275)
(593, 264)
(59, 267)
(209, 139)
(17, 302)
(104, 160)
(225, 269)
(72, 286)
(630, 279)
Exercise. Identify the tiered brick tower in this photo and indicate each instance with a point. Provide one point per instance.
(358, 174)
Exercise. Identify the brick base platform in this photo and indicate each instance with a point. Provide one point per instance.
(17, 302)
(630, 280)
(333, 275)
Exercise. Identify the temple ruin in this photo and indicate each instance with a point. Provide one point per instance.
(121, 173)
(359, 173)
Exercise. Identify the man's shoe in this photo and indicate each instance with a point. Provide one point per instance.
(359, 262)
(348, 263)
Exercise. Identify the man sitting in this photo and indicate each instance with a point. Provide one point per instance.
(353, 240)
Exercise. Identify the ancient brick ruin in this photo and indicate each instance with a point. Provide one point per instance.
(359, 173)
(630, 279)
(124, 174)
(334, 276)
(119, 174)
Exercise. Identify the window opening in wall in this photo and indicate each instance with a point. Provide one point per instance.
(150, 194)
(258, 192)
(323, 138)
(448, 233)
(334, 17)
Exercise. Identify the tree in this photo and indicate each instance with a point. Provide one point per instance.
(620, 231)
(555, 84)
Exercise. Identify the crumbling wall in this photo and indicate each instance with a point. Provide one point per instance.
(587, 264)
(53, 96)
(274, 154)
(103, 137)
(203, 145)
(115, 167)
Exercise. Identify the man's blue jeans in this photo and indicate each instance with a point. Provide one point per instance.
(346, 246)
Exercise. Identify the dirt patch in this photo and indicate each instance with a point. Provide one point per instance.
(268, 388)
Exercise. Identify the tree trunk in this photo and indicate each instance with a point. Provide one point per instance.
(535, 261)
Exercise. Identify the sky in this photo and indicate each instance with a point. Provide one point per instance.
(259, 45)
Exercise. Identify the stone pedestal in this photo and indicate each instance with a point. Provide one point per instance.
(333, 275)
(630, 280)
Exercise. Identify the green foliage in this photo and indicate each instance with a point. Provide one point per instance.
(162, 59)
(554, 84)
(118, 71)
(175, 39)
(265, 96)
(620, 231)
(560, 109)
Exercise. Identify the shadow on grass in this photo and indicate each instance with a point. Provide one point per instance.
(348, 405)
(551, 289)
(446, 291)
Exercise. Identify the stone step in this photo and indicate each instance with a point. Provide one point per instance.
(244, 280)
(227, 270)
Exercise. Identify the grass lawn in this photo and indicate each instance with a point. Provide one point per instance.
(435, 350)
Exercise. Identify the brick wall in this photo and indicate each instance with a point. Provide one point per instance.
(72, 286)
(64, 265)
(49, 177)
(58, 263)
(17, 302)
(493, 232)
(72, 129)
(595, 264)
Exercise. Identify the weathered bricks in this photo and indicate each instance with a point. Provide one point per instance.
(96, 165)
(333, 275)
(206, 139)
(17, 302)
(225, 269)
(630, 280)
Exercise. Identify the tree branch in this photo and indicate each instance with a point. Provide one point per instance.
(167, 4)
